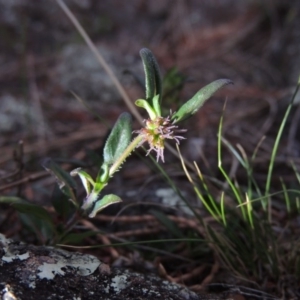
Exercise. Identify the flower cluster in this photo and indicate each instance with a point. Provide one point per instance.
(156, 131)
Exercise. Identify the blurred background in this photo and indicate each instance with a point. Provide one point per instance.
(254, 43)
(43, 59)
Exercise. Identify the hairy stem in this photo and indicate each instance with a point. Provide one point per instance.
(125, 154)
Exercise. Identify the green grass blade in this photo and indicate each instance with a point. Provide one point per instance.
(229, 181)
(223, 210)
(286, 196)
(275, 149)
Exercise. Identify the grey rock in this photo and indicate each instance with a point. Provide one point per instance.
(32, 272)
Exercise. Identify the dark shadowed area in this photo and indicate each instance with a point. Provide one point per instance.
(161, 227)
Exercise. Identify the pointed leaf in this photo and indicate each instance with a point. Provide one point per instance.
(85, 178)
(42, 229)
(34, 210)
(193, 105)
(156, 105)
(11, 199)
(25, 207)
(60, 202)
(144, 104)
(104, 202)
(152, 74)
(64, 180)
(118, 139)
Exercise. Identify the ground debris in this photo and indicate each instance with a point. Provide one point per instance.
(41, 272)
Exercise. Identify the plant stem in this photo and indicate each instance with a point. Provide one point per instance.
(69, 226)
(125, 154)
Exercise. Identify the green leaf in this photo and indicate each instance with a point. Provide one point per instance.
(25, 207)
(193, 105)
(32, 209)
(11, 200)
(152, 74)
(118, 139)
(61, 203)
(63, 178)
(85, 178)
(156, 105)
(144, 104)
(42, 229)
(104, 202)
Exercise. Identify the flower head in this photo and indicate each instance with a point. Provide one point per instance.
(156, 131)
(158, 128)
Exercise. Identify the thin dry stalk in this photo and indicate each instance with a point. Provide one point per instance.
(101, 60)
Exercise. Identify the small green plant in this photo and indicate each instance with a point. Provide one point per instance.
(119, 145)
(157, 130)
